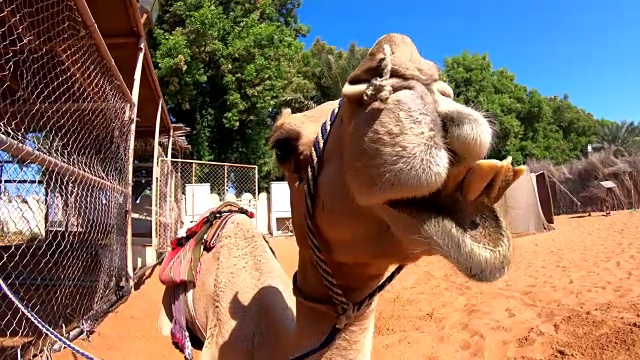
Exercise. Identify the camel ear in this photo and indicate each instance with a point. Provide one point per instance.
(285, 142)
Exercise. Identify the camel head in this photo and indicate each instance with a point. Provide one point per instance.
(402, 174)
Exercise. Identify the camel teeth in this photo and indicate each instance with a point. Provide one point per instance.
(454, 177)
(500, 177)
(518, 172)
(479, 177)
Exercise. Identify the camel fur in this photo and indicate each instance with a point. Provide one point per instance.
(402, 177)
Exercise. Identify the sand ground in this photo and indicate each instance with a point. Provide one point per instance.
(573, 293)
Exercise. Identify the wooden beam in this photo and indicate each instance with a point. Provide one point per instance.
(121, 40)
(154, 187)
(132, 134)
(144, 18)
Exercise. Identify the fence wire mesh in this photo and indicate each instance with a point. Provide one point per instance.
(170, 203)
(186, 189)
(64, 155)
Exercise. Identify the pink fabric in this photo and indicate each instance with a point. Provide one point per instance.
(175, 267)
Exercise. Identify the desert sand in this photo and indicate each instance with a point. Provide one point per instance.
(572, 293)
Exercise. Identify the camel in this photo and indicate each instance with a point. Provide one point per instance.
(392, 172)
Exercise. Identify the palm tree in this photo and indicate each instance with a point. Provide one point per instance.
(621, 137)
(334, 67)
(324, 71)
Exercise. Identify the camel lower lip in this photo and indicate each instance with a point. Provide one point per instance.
(471, 237)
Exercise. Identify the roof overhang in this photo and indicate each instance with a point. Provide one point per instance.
(120, 25)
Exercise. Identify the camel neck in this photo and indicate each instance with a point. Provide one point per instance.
(314, 323)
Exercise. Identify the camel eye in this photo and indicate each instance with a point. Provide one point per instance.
(284, 149)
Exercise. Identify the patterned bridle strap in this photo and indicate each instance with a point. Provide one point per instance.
(345, 310)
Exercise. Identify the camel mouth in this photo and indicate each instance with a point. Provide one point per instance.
(466, 216)
(471, 234)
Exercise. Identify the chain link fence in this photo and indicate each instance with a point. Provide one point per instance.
(187, 188)
(170, 203)
(64, 193)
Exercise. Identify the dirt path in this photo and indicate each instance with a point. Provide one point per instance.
(571, 294)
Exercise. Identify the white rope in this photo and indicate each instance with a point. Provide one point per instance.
(40, 324)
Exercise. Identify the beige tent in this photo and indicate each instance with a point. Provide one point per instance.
(526, 206)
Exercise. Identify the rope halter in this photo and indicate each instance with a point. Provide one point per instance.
(345, 311)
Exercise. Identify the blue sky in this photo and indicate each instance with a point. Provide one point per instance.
(588, 49)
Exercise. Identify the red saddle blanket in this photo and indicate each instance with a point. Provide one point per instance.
(181, 264)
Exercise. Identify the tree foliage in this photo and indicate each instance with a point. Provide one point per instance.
(224, 67)
(325, 69)
(623, 138)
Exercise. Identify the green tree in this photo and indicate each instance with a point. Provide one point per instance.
(622, 137)
(326, 70)
(224, 67)
(578, 127)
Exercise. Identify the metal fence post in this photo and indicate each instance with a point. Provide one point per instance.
(154, 185)
(226, 184)
(134, 114)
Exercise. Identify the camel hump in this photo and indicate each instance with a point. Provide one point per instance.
(228, 205)
(232, 206)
